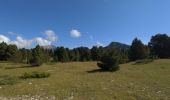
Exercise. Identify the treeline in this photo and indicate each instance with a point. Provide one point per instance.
(38, 55)
(158, 47)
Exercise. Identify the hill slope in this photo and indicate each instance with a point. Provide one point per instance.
(117, 45)
(48, 47)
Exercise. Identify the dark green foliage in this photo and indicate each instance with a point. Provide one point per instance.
(74, 55)
(9, 52)
(38, 57)
(96, 53)
(47, 56)
(85, 54)
(138, 50)
(160, 46)
(123, 56)
(3, 55)
(26, 55)
(109, 61)
(61, 54)
(8, 80)
(13, 53)
(35, 75)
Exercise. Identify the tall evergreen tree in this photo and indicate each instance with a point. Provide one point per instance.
(3, 55)
(13, 53)
(26, 55)
(160, 45)
(96, 53)
(137, 50)
(76, 55)
(37, 56)
(61, 54)
(85, 54)
(109, 61)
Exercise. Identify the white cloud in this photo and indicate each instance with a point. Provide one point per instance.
(99, 44)
(51, 36)
(42, 42)
(4, 39)
(75, 33)
(21, 43)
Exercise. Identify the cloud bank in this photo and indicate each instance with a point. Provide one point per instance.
(4, 39)
(21, 42)
(42, 42)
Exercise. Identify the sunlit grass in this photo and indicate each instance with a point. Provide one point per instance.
(80, 81)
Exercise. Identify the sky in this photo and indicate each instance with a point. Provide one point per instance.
(74, 23)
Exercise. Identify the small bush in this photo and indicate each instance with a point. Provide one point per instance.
(35, 62)
(35, 75)
(8, 80)
(108, 63)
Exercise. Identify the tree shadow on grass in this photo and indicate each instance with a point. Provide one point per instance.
(24, 66)
(99, 70)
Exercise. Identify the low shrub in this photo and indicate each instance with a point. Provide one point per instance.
(35, 62)
(35, 75)
(108, 63)
(8, 80)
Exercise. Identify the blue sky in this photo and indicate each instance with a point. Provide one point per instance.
(73, 23)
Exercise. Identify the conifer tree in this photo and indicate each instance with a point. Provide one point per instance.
(37, 56)
(138, 50)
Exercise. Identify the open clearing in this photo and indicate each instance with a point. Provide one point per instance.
(82, 81)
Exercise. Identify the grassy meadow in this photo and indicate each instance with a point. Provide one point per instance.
(83, 81)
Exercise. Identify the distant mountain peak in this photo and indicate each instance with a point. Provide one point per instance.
(48, 47)
(117, 45)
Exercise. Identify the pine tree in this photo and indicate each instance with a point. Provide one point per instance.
(3, 47)
(76, 55)
(85, 54)
(109, 61)
(138, 50)
(160, 45)
(96, 53)
(37, 56)
(13, 53)
(61, 54)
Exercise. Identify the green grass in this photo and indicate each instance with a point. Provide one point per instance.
(36, 74)
(144, 61)
(83, 81)
(8, 80)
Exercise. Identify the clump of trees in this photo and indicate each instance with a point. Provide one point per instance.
(9, 53)
(160, 46)
(138, 50)
(38, 56)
